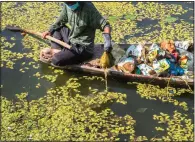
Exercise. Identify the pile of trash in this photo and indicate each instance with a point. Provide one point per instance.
(164, 60)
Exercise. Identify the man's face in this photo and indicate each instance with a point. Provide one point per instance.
(73, 5)
(70, 2)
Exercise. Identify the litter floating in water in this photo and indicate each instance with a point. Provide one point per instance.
(141, 110)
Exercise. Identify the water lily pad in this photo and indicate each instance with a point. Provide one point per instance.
(130, 16)
(171, 19)
(113, 18)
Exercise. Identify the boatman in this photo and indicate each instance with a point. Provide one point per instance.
(76, 26)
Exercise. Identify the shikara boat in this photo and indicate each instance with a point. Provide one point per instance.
(85, 67)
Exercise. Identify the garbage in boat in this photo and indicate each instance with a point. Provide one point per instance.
(183, 44)
(155, 52)
(175, 70)
(152, 60)
(161, 66)
(126, 65)
(146, 70)
(168, 58)
(168, 45)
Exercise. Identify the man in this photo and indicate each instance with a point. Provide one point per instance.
(76, 26)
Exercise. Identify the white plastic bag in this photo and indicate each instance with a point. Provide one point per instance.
(182, 44)
(145, 69)
(134, 50)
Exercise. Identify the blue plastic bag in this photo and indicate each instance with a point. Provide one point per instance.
(175, 70)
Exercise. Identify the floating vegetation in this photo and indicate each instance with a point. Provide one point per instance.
(122, 27)
(177, 127)
(51, 78)
(139, 138)
(92, 78)
(170, 19)
(58, 71)
(8, 57)
(154, 92)
(130, 16)
(123, 17)
(12, 14)
(63, 114)
(38, 85)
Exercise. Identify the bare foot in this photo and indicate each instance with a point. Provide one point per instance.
(54, 51)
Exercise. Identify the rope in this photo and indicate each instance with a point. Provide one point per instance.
(185, 82)
(168, 84)
(179, 78)
(106, 79)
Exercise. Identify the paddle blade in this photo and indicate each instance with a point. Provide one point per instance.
(14, 28)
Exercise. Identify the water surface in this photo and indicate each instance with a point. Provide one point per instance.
(15, 82)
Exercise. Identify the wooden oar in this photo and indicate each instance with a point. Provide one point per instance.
(18, 29)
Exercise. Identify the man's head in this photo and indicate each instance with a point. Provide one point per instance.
(70, 2)
(73, 5)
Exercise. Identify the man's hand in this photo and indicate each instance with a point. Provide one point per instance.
(44, 34)
(107, 42)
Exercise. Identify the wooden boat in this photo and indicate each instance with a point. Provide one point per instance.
(176, 81)
(124, 76)
(120, 75)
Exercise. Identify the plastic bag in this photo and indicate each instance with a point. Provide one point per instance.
(182, 44)
(106, 60)
(146, 70)
(161, 66)
(183, 62)
(190, 56)
(175, 55)
(117, 53)
(152, 55)
(175, 69)
(168, 45)
(126, 65)
(137, 71)
(155, 52)
(134, 50)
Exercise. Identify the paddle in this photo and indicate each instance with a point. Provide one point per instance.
(18, 29)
